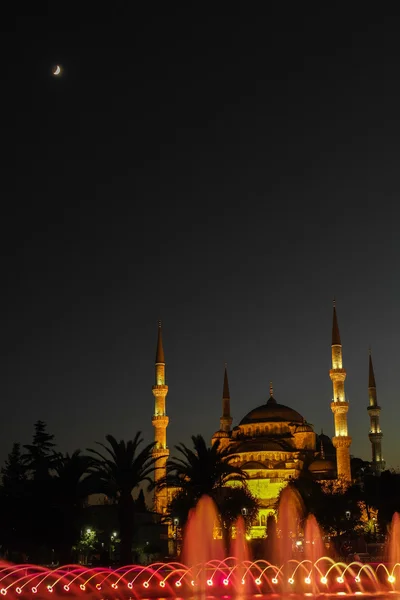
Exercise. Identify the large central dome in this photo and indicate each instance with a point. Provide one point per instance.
(271, 411)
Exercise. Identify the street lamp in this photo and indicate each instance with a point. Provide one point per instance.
(176, 525)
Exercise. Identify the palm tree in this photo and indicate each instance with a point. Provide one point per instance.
(207, 471)
(203, 470)
(119, 471)
(72, 484)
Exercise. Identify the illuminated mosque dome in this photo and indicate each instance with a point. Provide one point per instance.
(271, 411)
(322, 465)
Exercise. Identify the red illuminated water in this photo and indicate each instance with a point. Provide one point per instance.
(205, 571)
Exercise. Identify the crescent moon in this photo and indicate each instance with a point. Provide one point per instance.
(57, 70)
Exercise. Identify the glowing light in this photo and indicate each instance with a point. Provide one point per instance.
(38, 581)
(57, 70)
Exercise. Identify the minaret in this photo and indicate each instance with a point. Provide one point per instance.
(339, 405)
(160, 424)
(375, 433)
(226, 419)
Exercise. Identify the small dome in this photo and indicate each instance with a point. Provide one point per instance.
(304, 427)
(322, 465)
(271, 411)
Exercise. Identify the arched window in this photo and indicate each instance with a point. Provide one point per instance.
(263, 520)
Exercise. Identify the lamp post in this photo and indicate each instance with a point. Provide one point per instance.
(374, 522)
(176, 525)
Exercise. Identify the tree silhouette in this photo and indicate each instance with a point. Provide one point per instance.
(120, 470)
(40, 456)
(14, 525)
(202, 470)
(140, 503)
(39, 460)
(208, 471)
(72, 484)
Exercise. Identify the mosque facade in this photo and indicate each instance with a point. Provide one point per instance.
(273, 443)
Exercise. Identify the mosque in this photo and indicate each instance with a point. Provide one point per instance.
(273, 443)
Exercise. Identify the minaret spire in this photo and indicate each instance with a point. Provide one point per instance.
(375, 433)
(160, 424)
(322, 451)
(160, 350)
(371, 374)
(226, 419)
(339, 405)
(335, 328)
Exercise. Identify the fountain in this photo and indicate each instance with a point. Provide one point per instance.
(296, 568)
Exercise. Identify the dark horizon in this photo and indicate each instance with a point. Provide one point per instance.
(227, 173)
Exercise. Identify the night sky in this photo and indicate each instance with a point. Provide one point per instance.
(228, 173)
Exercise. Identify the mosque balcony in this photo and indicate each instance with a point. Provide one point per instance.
(160, 420)
(160, 390)
(337, 374)
(339, 406)
(159, 452)
(341, 441)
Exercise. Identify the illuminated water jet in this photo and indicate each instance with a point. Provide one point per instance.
(205, 568)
